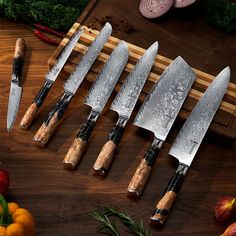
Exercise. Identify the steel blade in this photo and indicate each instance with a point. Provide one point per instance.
(163, 103)
(127, 96)
(56, 69)
(107, 79)
(194, 129)
(13, 104)
(77, 76)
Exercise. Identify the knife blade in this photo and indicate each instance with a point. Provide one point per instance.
(50, 77)
(97, 99)
(158, 114)
(72, 84)
(189, 139)
(124, 104)
(16, 86)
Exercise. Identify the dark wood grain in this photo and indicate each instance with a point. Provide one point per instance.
(61, 200)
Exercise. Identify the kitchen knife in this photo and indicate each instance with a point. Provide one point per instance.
(53, 119)
(96, 99)
(158, 114)
(16, 86)
(124, 104)
(189, 139)
(50, 77)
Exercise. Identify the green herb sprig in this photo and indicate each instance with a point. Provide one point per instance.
(109, 227)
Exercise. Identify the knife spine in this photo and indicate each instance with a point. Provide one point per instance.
(143, 171)
(79, 144)
(164, 206)
(52, 121)
(106, 154)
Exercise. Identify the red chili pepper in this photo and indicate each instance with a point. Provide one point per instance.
(45, 39)
(4, 182)
(48, 30)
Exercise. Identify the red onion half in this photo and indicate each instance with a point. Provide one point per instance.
(154, 8)
(183, 3)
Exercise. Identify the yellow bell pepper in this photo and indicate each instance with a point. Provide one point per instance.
(15, 221)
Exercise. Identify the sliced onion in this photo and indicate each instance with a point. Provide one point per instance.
(154, 8)
(183, 3)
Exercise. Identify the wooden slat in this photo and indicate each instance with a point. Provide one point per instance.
(224, 120)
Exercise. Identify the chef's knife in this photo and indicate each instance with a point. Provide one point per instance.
(96, 99)
(53, 119)
(124, 104)
(189, 139)
(158, 114)
(50, 77)
(16, 86)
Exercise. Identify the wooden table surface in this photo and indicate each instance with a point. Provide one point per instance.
(60, 200)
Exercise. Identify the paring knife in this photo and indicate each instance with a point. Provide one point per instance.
(124, 104)
(158, 114)
(53, 119)
(96, 99)
(16, 86)
(189, 139)
(50, 77)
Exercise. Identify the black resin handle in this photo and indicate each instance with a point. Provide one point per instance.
(77, 148)
(106, 155)
(164, 206)
(52, 121)
(143, 172)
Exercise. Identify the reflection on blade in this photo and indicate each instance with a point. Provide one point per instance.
(77, 76)
(163, 103)
(194, 129)
(13, 104)
(54, 72)
(127, 96)
(107, 79)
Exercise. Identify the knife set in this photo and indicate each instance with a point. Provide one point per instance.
(157, 114)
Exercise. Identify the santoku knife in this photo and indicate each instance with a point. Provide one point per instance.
(158, 114)
(96, 99)
(124, 104)
(189, 139)
(50, 77)
(53, 119)
(16, 86)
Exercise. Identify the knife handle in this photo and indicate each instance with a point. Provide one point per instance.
(18, 60)
(78, 146)
(106, 155)
(32, 111)
(143, 172)
(52, 121)
(164, 206)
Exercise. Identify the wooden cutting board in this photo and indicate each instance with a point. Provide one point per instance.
(225, 119)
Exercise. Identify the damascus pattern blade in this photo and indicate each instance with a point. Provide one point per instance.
(163, 103)
(54, 72)
(127, 97)
(194, 129)
(77, 76)
(107, 79)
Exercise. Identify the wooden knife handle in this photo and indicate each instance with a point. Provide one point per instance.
(164, 206)
(32, 111)
(106, 155)
(74, 154)
(77, 148)
(143, 172)
(18, 60)
(52, 121)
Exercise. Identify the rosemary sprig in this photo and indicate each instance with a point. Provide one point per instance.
(136, 229)
(107, 227)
